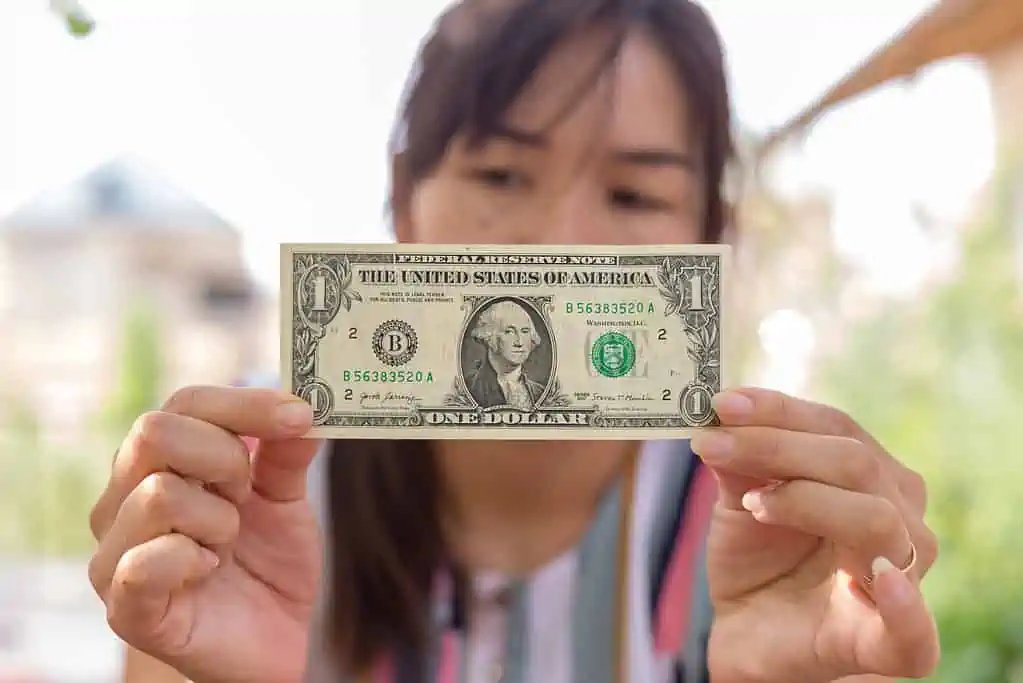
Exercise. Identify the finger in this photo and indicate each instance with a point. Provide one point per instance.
(912, 487)
(260, 413)
(753, 406)
(904, 641)
(280, 468)
(145, 581)
(772, 454)
(905, 487)
(160, 441)
(162, 504)
(866, 524)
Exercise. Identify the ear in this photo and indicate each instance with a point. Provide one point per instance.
(401, 199)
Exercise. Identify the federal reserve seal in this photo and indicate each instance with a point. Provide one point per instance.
(613, 354)
(395, 342)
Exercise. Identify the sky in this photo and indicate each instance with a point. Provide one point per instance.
(276, 113)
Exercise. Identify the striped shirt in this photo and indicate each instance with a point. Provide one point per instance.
(559, 625)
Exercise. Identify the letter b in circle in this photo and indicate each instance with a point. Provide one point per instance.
(395, 343)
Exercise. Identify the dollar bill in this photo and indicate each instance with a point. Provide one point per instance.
(504, 342)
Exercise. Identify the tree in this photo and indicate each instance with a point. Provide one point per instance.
(940, 381)
(76, 18)
(46, 494)
(49, 490)
(139, 376)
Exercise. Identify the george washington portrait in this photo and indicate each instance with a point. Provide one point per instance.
(506, 355)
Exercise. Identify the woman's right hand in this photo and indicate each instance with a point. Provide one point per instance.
(209, 559)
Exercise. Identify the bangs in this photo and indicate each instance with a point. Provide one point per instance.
(482, 56)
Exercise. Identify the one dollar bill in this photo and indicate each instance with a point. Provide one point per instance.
(504, 342)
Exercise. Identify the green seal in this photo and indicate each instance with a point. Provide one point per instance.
(613, 354)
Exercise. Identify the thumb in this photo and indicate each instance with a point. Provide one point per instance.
(906, 635)
(279, 468)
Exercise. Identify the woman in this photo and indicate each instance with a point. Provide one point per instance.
(529, 121)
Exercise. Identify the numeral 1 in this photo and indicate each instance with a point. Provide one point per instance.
(319, 293)
(696, 292)
(696, 403)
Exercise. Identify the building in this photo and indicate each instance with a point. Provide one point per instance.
(990, 31)
(78, 260)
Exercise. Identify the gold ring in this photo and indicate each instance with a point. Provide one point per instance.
(869, 580)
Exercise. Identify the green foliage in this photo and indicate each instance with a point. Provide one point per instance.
(139, 376)
(939, 380)
(49, 489)
(79, 26)
(76, 19)
(53, 519)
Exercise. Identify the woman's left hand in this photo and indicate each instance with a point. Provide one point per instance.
(813, 523)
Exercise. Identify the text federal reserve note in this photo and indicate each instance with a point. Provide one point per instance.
(503, 342)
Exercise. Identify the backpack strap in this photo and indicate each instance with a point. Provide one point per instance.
(693, 650)
(682, 613)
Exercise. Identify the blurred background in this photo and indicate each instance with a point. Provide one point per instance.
(149, 170)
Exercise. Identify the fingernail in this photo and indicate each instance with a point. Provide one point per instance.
(712, 444)
(880, 565)
(211, 559)
(733, 403)
(754, 502)
(294, 414)
(898, 588)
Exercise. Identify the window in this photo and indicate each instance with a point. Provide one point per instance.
(222, 297)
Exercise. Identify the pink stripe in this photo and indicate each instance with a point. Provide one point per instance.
(384, 672)
(676, 599)
(450, 658)
(251, 442)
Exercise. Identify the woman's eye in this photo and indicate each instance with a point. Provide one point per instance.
(633, 200)
(500, 177)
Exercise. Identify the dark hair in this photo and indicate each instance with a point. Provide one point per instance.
(385, 496)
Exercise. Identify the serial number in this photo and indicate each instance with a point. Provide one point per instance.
(609, 307)
(389, 376)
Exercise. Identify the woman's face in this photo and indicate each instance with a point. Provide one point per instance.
(617, 166)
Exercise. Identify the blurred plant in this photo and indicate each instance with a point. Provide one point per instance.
(75, 17)
(45, 491)
(940, 381)
(139, 375)
(20, 441)
(48, 489)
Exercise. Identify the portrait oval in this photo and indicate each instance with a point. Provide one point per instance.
(507, 354)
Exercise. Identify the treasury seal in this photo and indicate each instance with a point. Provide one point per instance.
(613, 354)
(395, 342)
